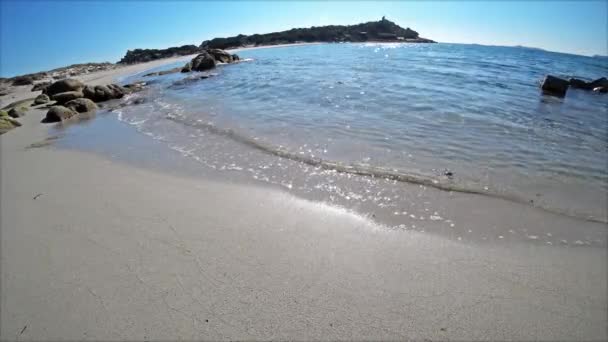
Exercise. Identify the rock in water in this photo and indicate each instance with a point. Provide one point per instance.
(64, 97)
(602, 90)
(41, 99)
(187, 67)
(81, 105)
(555, 86)
(63, 86)
(600, 82)
(202, 62)
(220, 55)
(580, 84)
(59, 113)
(17, 112)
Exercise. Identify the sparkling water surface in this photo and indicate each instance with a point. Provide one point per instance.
(420, 110)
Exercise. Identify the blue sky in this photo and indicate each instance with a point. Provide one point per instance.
(38, 35)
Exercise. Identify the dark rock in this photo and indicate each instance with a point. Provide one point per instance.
(202, 62)
(600, 82)
(64, 97)
(235, 58)
(187, 67)
(23, 80)
(580, 84)
(41, 99)
(555, 86)
(81, 105)
(17, 112)
(220, 55)
(58, 113)
(41, 86)
(63, 86)
(602, 90)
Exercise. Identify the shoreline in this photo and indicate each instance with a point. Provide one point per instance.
(136, 253)
(148, 255)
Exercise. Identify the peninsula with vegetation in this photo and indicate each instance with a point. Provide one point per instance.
(383, 30)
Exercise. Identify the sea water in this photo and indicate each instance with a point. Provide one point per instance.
(461, 118)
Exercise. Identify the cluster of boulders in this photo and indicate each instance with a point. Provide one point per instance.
(208, 59)
(73, 97)
(558, 86)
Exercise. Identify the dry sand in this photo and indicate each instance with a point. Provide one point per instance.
(92, 249)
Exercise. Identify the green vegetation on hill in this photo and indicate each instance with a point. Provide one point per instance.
(382, 30)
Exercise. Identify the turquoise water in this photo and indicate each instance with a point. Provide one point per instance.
(294, 116)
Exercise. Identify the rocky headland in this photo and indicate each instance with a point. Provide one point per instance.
(382, 31)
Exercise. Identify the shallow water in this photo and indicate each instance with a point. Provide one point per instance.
(403, 111)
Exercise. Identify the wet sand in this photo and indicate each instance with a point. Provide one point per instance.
(96, 249)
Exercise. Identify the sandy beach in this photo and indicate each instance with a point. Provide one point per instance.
(96, 249)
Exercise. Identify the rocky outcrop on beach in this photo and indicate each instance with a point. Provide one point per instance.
(59, 113)
(102, 93)
(81, 105)
(146, 55)
(73, 97)
(41, 99)
(67, 85)
(46, 77)
(64, 97)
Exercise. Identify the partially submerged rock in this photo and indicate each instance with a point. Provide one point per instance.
(164, 72)
(69, 84)
(221, 55)
(41, 99)
(64, 97)
(17, 112)
(602, 90)
(579, 84)
(600, 82)
(203, 62)
(208, 59)
(555, 86)
(582, 84)
(81, 105)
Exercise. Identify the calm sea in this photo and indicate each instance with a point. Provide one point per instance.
(464, 118)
